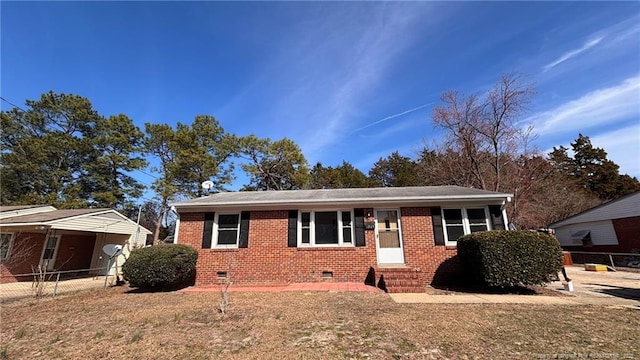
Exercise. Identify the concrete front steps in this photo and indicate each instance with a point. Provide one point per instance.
(399, 279)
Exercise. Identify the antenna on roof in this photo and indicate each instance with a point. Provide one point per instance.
(207, 185)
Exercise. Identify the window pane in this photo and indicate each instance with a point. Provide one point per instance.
(476, 216)
(227, 237)
(346, 218)
(346, 235)
(476, 228)
(51, 242)
(48, 254)
(228, 221)
(306, 218)
(305, 236)
(454, 232)
(387, 220)
(5, 240)
(326, 224)
(453, 216)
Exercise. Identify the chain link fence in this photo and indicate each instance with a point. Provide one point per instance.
(52, 283)
(630, 261)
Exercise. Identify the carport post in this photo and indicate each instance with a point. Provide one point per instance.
(106, 275)
(55, 288)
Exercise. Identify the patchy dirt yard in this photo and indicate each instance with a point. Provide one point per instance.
(113, 324)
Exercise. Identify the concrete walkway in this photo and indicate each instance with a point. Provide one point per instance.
(24, 289)
(590, 288)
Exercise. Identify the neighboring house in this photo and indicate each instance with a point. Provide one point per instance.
(611, 227)
(274, 237)
(63, 239)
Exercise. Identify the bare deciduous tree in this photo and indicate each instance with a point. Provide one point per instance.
(483, 131)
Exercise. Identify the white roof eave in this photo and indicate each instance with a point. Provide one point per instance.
(360, 201)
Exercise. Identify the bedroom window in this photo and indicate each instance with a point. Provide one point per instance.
(325, 228)
(227, 230)
(463, 221)
(5, 245)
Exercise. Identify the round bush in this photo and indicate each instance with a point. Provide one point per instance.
(161, 267)
(510, 258)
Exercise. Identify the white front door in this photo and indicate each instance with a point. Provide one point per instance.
(389, 237)
(50, 250)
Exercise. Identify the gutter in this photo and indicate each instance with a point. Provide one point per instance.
(355, 201)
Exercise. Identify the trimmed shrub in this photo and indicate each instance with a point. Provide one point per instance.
(510, 258)
(161, 267)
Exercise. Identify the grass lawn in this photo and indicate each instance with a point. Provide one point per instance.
(113, 324)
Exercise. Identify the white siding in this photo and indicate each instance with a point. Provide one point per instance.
(27, 211)
(625, 207)
(602, 233)
(99, 259)
(98, 224)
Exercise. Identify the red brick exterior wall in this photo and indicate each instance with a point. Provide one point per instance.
(268, 260)
(74, 252)
(436, 263)
(25, 251)
(628, 233)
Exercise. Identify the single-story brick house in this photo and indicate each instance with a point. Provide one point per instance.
(405, 234)
(64, 240)
(611, 227)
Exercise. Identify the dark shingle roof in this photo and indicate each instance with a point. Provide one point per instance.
(361, 195)
(18, 207)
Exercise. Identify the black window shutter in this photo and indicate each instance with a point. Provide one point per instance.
(436, 221)
(293, 229)
(244, 230)
(497, 221)
(207, 232)
(359, 222)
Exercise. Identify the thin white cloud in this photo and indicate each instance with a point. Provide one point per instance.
(599, 107)
(622, 147)
(336, 63)
(391, 117)
(573, 53)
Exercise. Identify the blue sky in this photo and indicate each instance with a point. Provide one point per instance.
(346, 81)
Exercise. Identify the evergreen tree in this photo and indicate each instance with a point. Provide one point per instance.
(273, 165)
(395, 170)
(343, 176)
(591, 170)
(117, 150)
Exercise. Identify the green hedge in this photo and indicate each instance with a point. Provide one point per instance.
(161, 267)
(510, 258)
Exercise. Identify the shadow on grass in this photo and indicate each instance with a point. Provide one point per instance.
(156, 290)
(482, 289)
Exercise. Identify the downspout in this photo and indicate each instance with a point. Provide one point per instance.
(177, 229)
(504, 213)
(137, 228)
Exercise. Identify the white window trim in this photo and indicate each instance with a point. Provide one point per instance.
(52, 262)
(11, 238)
(466, 226)
(214, 242)
(312, 229)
